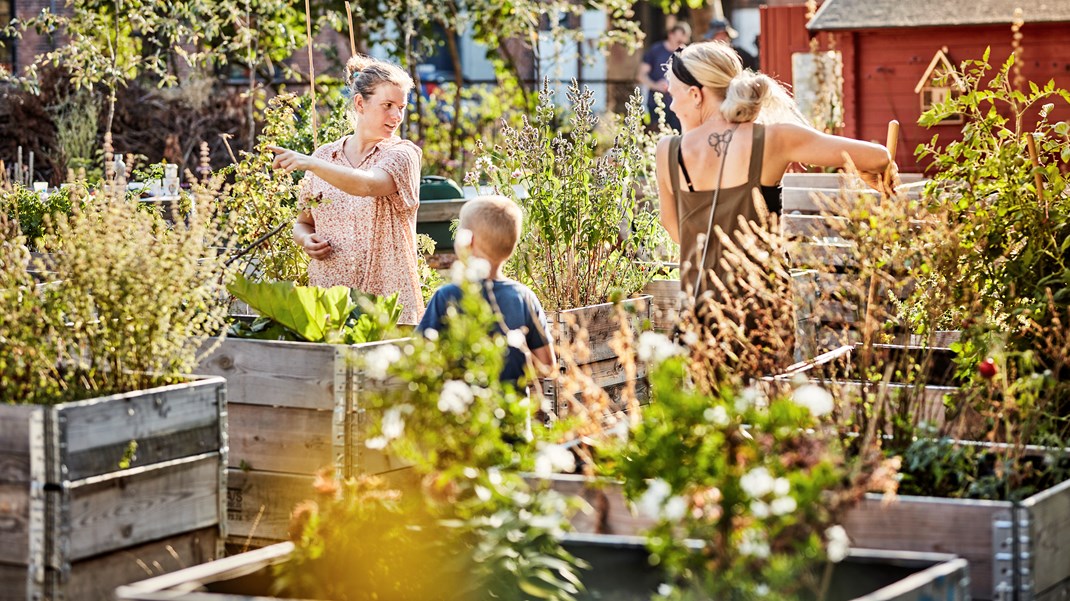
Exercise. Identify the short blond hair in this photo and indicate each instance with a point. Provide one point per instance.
(496, 222)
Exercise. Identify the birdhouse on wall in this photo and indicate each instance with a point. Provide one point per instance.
(938, 84)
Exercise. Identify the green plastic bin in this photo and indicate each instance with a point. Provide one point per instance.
(440, 203)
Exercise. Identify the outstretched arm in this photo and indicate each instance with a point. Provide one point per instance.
(797, 144)
(357, 182)
(666, 201)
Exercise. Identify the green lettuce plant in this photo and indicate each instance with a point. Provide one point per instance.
(338, 314)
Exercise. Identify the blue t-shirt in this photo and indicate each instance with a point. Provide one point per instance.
(656, 57)
(518, 307)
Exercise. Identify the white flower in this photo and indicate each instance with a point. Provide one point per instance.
(455, 397)
(751, 396)
(376, 443)
(781, 487)
(463, 238)
(783, 505)
(393, 424)
(690, 338)
(716, 415)
(753, 543)
(379, 359)
(431, 334)
(813, 397)
(477, 269)
(655, 495)
(483, 163)
(655, 347)
(516, 339)
(759, 509)
(554, 458)
(757, 483)
(665, 589)
(517, 174)
(761, 590)
(838, 544)
(675, 508)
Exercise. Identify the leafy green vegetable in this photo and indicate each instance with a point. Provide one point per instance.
(310, 313)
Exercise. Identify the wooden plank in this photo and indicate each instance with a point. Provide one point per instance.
(665, 305)
(437, 211)
(166, 423)
(608, 511)
(929, 524)
(15, 442)
(16, 583)
(107, 513)
(275, 373)
(1049, 537)
(600, 323)
(96, 579)
(280, 439)
(836, 180)
(198, 577)
(259, 504)
(15, 527)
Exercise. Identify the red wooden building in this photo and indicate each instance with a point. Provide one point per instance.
(891, 48)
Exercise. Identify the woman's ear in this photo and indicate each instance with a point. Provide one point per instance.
(696, 94)
(358, 104)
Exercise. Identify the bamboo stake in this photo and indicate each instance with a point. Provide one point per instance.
(311, 74)
(1039, 179)
(352, 40)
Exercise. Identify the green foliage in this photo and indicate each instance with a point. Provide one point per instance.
(338, 315)
(586, 229)
(32, 211)
(449, 144)
(132, 302)
(474, 529)
(758, 480)
(1012, 247)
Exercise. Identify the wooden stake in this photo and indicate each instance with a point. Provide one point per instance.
(352, 40)
(869, 327)
(1039, 179)
(311, 75)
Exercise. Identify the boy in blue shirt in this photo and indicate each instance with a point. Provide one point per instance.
(494, 223)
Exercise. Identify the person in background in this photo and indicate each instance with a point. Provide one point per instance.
(652, 72)
(722, 31)
(494, 224)
(360, 193)
(741, 130)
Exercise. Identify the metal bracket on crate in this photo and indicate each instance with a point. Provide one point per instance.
(224, 462)
(341, 427)
(1004, 557)
(1024, 554)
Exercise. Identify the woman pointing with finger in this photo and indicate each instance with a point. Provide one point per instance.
(360, 194)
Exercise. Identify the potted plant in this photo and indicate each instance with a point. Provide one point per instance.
(115, 459)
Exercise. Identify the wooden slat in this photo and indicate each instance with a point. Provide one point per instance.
(600, 322)
(1049, 536)
(433, 211)
(15, 583)
(280, 439)
(15, 523)
(96, 579)
(199, 577)
(933, 525)
(114, 512)
(666, 302)
(275, 373)
(259, 504)
(837, 180)
(166, 423)
(608, 512)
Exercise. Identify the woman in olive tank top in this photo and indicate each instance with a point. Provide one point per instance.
(741, 130)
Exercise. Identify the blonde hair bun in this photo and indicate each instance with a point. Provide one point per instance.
(747, 93)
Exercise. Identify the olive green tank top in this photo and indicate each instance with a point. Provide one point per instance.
(693, 213)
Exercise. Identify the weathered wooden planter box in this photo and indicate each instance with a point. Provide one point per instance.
(666, 303)
(295, 408)
(620, 571)
(600, 323)
(74, 524)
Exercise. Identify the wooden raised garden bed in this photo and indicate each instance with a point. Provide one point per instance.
(295, 409)
(74, 524)
(620, 571)
(600, 323)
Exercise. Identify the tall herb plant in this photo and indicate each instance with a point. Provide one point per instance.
(587, 229)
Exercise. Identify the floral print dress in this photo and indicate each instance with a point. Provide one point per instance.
(373, 238)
